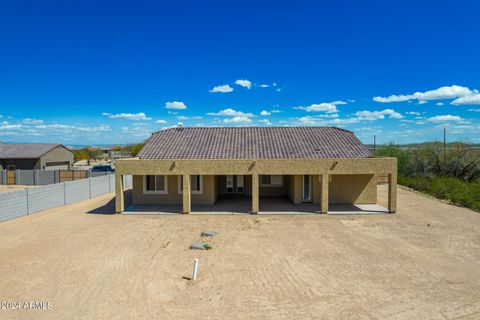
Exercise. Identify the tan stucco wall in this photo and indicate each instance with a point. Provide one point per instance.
(352, 180)
(222, 185)
(173, 196)
(295, 188)
(59, 154)
(352, 189)
(247, 167)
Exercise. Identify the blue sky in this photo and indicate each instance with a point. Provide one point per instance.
(107, 72)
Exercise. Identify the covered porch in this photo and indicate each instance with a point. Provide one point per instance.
(264, 186)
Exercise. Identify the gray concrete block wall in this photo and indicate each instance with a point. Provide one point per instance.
(45, 177)
(3, 176)
(13, 204)
(77, 191)
(100, 185)
(23, 202)
(45, 197)
(25, 177)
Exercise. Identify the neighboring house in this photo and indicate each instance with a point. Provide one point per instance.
(15, 156)
(319, 165)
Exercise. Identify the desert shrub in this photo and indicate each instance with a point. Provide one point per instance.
(465, 194)
(403, 157)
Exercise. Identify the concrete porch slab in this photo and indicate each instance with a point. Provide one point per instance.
(153, 209)
(350, 209)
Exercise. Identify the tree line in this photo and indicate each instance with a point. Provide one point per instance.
(451, 173)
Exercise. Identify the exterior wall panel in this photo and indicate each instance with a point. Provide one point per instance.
(346, 189)
(46, 197)
(100, 185)
(173, 196)
(77, 191)
(13, 204)
(59, 154)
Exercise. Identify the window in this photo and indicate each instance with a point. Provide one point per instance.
(196, 184)
(271, 181)
(155, 184)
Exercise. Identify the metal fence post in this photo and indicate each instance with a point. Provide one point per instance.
(64, 194)
(28, 204)
(89, 187)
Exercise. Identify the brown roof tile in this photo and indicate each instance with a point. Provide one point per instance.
(253, 143)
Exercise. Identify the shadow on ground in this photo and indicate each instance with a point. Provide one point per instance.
(109, 207)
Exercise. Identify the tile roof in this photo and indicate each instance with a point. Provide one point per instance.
(253, 143)
(24, 150)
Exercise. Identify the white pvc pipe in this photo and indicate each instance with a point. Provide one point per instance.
(195, 269)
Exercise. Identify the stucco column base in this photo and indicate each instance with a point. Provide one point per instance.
(119, 201)
(324, 194)
(187, 204)
(255, 194)
(392, 192)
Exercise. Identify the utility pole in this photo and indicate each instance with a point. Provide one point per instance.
(444, 145)
(374, 144)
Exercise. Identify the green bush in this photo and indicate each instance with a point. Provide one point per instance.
(465, 194)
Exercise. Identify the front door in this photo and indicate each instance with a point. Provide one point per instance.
(307, 189)
(235, 185)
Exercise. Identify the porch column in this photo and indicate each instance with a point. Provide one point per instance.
(392, 192)
(324, 195)
(186, 194)
(255, 193)
(119, 203)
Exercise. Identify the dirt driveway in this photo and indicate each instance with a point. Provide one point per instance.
(421, 263)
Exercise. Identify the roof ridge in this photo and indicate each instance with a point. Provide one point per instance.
(249, 127)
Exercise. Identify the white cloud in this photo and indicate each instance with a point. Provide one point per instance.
(328, 107)
(183, 118)
(338, 102)
(263, 85)
(229, 112)
(414, 113)
(274, 84)
(320, 107)
(172, 112)
(279, 89)
(265, 121)
(32, 121)
(422, 102)
(179, 105)
(10, 126)
(376, 115)
(161, 121)
(446, 92)
(275, 111)
(474, 110)
(244, 83)
(265, 113)
(443, 118)
(238, 120)
(223, 88)
(470, 99)
(100, 128)
(439, 104)
(128, 116)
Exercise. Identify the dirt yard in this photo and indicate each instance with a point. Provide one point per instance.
(421, 263)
